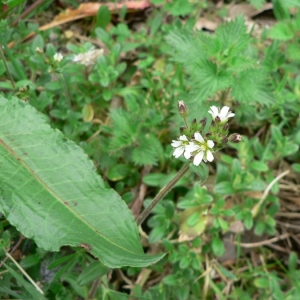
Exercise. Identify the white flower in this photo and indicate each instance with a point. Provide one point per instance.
(223, 114)
(88, 58)
(200, 149)
(180, 147)
(58, 57)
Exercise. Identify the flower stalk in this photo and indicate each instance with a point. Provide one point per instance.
(161, 194)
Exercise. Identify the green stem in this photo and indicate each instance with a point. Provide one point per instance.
(6, 67)
(65, 87)
(161, 194)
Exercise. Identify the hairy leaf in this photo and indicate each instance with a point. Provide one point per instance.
(233, 37)
(148, 151)
(50, 191)
(252, 86)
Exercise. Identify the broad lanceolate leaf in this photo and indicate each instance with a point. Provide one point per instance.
(50, 191)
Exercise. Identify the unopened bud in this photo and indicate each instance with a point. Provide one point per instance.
(217, 119)
(182, 109)
(182, 129)
(235, 138)
(203, 122)
(226, 126)
(224, 140)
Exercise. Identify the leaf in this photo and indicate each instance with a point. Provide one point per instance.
(50, 191)
(282, 32)
(217, 246)
(185, 46)
(251, 86)
(22, 282)
(95, 270)
(88, 113)
(224, 187)
(208, 79)
(261, 283)
(148, 150)
(103, 17)
(233, 36)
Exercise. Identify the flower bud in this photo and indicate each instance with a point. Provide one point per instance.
(203, 122)
(182, 109)
(224, 140)
(226, 126)
(182, 129)
(235, 138)
(217, 119)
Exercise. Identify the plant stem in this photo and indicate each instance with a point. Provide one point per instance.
(25, 274)
(6, 67)
(161, 194)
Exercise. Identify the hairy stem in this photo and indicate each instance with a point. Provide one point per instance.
(162, 193)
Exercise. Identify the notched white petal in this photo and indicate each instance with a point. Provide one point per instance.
(210, 143)
(199, 137)
(178, 151)
(224, 111)
(176, 144)
(187, 154)
(209, 156)
(183, 138)
(198, 158)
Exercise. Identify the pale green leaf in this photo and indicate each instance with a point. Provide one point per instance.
(233, 36)
(208, 79)
(50, 191)
(252, 86)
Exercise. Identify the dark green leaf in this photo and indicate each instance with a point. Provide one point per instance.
(201, 171)
(95, 270)
(223, 188)
(103, 17)
(259, 166)
(217, 246)
(118, 172)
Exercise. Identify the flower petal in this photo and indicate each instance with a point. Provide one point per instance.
(192, 147)
(187, 154)
(213, 111)
(178, 151)
(176, 144)
(183, 138)
(199, 137)
(210, 143)
(230, 115)
(209, 156)
(198, 158)
(224, 111)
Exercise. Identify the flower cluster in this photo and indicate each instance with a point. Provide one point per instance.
(194, 144)
(54, 62)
